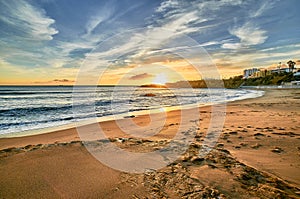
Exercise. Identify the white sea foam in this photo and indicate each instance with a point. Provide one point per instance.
(30, 109)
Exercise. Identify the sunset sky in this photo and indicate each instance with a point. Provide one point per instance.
(136, 41)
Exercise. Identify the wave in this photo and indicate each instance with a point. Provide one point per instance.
(52, 108)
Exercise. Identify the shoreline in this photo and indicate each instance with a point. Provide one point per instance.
(256, 155)
(121, 116)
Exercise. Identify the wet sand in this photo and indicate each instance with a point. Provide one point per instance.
(257, 155)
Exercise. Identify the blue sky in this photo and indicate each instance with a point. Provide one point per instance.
(46, 40)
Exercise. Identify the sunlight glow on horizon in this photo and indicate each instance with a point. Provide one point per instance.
(160, 79)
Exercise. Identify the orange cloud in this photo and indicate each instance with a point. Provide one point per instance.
(140, 76)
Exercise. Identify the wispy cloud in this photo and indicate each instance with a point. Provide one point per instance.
(172, 19)
(265, 5)
(248, 34)
(29, 21)
(55, 81)
(25, 30)
(140, 76)
(102, 15)
(166, 5)
(281, 48)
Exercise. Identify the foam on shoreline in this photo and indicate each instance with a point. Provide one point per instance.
(126, 115)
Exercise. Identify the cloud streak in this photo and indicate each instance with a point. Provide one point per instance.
(29, 22)
(248, 34)
(140, 76)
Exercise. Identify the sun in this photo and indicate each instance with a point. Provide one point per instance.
(160, 79)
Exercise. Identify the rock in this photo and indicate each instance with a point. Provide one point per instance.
(233, 133)
(220, 145)
(129, 116)
(8, 149)
(28, 146)
(277, 150)
(121, 140)
(149, 95)
(243, 144)
(256, 146)
(225, 151)
(212, 166)
(197, 160)
(259, 134)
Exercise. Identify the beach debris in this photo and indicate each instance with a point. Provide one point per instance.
(243, 144)
(256, 146)
(285, 133)
(277, 150)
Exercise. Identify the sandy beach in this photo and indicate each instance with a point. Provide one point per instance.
(257, 155)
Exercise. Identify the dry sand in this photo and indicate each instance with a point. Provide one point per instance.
(257, 156)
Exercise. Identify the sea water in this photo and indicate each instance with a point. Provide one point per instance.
(24, 108)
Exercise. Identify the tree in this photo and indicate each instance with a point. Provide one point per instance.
(291, 65)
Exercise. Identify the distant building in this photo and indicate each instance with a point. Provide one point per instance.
(261, 73)
(255, 72)
(297, 75)
(249, 72)
(281, 70)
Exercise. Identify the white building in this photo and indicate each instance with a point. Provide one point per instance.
(249, 72)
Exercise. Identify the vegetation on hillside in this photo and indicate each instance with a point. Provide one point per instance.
(235, 82)
(274, 79)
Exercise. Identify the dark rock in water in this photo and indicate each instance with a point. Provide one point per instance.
(130, 116)
(153, 86)
(149, 95)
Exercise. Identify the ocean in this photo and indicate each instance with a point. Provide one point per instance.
(25, 108)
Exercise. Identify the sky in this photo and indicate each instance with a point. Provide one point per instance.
(137, 42)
